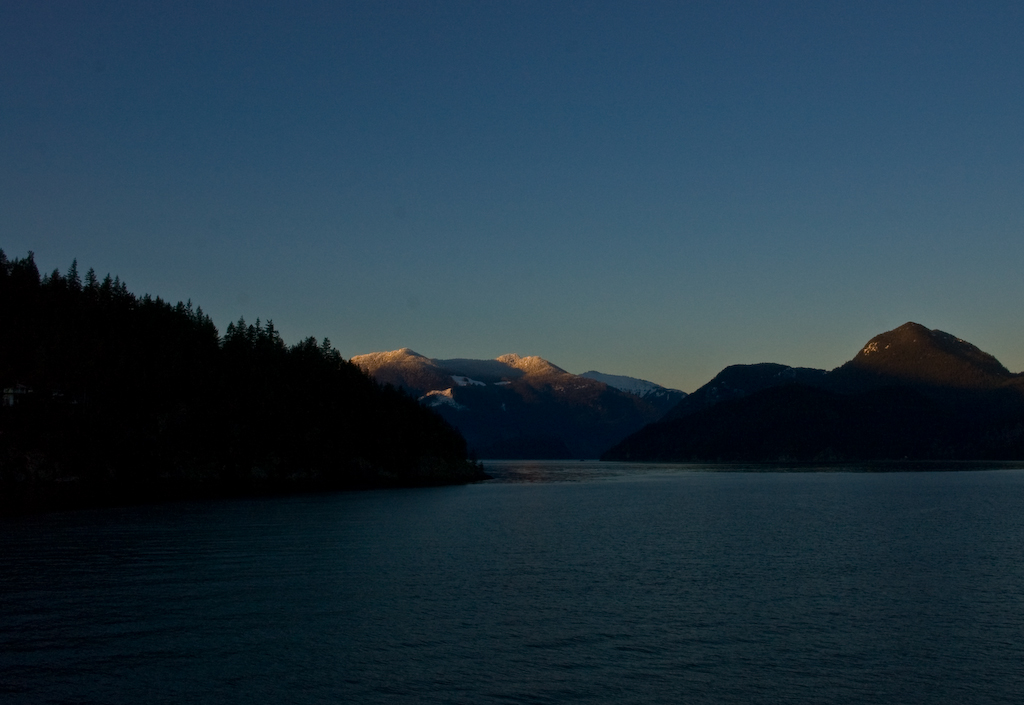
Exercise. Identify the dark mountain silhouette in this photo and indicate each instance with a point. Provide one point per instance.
(519, 407)
(910, 393)
(912, 355)
(738, 381)
(109, 397)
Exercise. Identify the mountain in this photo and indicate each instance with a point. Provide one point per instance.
(405, 369)
(661, 397)
(521, 407)
(910, 393)
(912, 355)
(738, 381)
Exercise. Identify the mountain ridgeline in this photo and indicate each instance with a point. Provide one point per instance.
(112, 398)
(909, 394)
(525, 407)
(109, 397)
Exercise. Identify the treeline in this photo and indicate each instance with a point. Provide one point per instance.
(109, 397)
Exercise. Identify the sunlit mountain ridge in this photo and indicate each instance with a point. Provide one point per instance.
(523, 406)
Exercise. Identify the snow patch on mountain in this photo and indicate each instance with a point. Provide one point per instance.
(440, 397)
(467, 382)
(631, 385)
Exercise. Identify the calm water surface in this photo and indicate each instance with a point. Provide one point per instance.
(557, 582)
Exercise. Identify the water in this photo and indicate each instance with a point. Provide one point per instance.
(558, 582)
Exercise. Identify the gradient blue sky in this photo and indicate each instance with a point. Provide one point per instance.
(656, 190)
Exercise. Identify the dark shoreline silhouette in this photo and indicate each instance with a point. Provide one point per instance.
(111, 398)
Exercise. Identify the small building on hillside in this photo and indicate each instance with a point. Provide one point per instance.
(12, 395)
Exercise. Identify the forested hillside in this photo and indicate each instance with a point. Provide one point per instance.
(109, 397)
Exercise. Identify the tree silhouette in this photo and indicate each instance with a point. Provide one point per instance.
(135, 399)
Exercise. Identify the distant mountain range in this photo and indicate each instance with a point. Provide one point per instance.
(910, 393)
(525, 407)
(650, 391)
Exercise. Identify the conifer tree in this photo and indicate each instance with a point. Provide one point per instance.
(74, 281)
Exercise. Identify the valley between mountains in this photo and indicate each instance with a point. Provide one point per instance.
(909, 394)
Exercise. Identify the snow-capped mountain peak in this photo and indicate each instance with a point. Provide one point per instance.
(531, 364)
(374, 360)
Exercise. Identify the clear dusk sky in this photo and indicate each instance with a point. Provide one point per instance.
(650, 189)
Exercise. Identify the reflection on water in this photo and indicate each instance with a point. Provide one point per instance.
(590, 470)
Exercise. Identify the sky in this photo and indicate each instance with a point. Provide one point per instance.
(650, 189)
